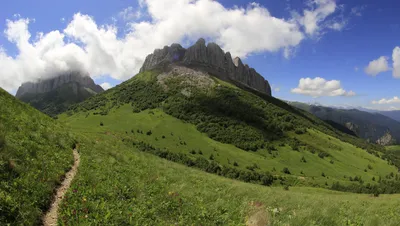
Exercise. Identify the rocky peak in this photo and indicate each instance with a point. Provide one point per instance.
(209, 58)
(47, 85)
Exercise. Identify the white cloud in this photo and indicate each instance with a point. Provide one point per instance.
(275, 88)
(101, 50)
(377, 66)
(106, 85)
(357, 10)
(313, 18)
(338, 26)
(62, 20)
(129, 14)
(387, 101)
(356, 69)
(396, 62)
(318, 87)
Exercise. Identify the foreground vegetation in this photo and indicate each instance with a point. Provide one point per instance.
(35, 152)
(119, 185)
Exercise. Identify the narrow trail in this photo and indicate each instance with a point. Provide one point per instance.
(51, 217)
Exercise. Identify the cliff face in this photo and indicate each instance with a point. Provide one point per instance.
(210, 58)
(48, 85)
(54, 96)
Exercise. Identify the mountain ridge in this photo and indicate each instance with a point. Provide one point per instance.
(55, 95)
(47, 85)
(209, 58)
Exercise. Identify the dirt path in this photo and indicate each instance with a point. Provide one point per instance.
(51, 216)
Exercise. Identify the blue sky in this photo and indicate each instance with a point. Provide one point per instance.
(367, 30)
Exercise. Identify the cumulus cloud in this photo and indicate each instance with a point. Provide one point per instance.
(129, 14)
(106, 85)
(102, 50)
(393, 100)
(319, 87)
(377, 66)
(396, 62)
(313, 19)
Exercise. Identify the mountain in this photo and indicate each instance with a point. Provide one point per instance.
(178, 145)
(391, 114)
(185, 113)
(53, 96)
(35, 153)
(374, 127)
(211, 59)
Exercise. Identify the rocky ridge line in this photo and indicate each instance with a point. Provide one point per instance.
(210, 58)
(47, 85)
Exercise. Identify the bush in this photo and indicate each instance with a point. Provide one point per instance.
(323, 154)
(286, 170)
(286, 187)
(323, 174)
(211, 157)
(303, 159)
(148, 133)
(331, 161)
(101, 124)
(235, 164)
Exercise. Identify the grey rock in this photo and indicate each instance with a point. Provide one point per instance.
(386, 139)
(211, 59)
(47, 85)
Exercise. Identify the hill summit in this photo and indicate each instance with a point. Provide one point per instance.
(211, 59)
(54, 95)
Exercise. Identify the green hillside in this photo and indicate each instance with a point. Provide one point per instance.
(35, 152)
(208, 124)
(119, 185)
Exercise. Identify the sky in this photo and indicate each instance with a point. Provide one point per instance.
(330, 52)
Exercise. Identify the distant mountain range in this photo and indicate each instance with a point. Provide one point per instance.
(53, 96)
(378, 127)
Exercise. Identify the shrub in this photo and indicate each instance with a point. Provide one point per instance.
(323, 154)
(286, 170)
(235, 164)
(286, 187)
(200, 152)
(101, 124)
(211, 157)
(303, 159)
(163, 137)
(323, 174)
(300, 131)
(193, 152)
(149, 133)
(331, 161)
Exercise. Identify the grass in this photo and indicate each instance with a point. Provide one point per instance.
(180, 137)
(35, 152)
(118, 185)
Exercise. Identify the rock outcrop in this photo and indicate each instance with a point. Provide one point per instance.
(386, 139)
(209, 58)
(47, 85)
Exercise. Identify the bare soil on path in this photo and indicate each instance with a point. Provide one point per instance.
(51, 217)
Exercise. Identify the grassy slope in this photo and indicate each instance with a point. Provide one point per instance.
(119, 185)
(347, 159)
(34, 154)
